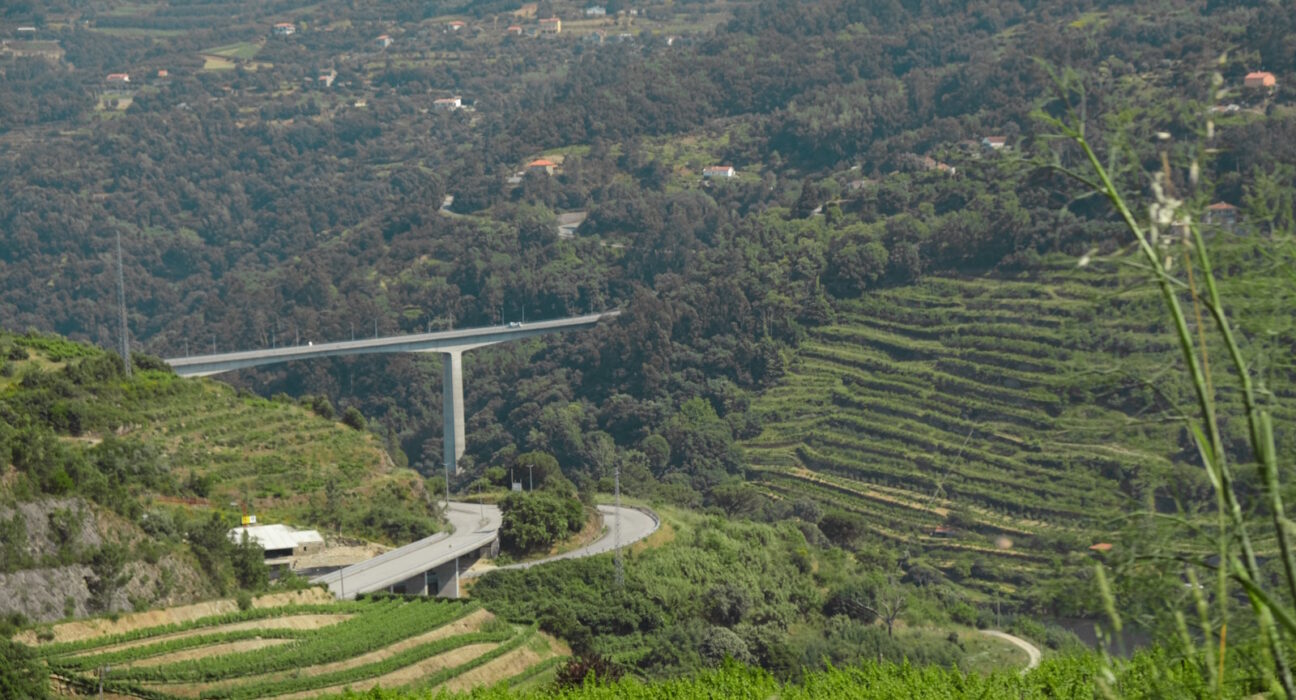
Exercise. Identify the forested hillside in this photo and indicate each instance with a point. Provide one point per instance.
(886, 233)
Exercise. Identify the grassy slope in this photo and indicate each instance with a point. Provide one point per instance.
(1010, 409)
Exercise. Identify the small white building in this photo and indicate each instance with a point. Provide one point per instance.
(447, 104)
(280, 542)
(383, 41)
(550, 25)
(719, 172)
(596, 11)
(118, 78)
(994, 143)
(285, 29)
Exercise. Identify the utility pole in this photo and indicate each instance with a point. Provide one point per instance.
(616, 524)
(121, 302)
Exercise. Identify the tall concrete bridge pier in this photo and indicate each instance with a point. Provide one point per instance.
(451, 344)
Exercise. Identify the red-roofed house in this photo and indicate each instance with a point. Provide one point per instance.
(383, 41)
(715, 172)
(118, 78)
(162, 73)
(515, 30)
(541, 166)
(551, 25)
(1221, 214)
(1259, 80)
(456, 25)
(284, 29)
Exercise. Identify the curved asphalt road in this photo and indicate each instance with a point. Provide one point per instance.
(1031, 650)
(475, 526)
(635, 525)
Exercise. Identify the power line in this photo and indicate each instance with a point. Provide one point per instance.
(616, 525)
(121, 301)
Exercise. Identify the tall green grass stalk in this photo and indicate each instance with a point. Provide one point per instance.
(1170, 222)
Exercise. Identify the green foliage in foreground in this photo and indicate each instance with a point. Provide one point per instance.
(1148, 675)
(20, 674)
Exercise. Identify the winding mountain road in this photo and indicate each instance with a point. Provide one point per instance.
(1031, 650)
(635, 525)
(474, 527)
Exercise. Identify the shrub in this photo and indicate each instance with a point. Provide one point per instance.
(534, 521)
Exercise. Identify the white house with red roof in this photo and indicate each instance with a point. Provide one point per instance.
(1259, 80)
(1221, 214)
(719, 172)
(118, 78)
(541, 166)
(285, 29)
(550, 25)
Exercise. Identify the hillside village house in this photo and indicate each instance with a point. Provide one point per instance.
(447, 104)
(716, 172)
(1221, 214)
(551, 25)
(118, 78)
(457, 25)
(994, 143)
(596, 11)
(514, 29)
(284, 29)
(1259, 80)
(383, 41)
(541, 166)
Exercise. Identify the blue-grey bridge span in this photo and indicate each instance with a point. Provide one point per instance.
(451, 344)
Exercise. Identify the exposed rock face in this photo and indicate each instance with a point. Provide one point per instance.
(50, 583)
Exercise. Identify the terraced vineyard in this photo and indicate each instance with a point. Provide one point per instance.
(310, 650)
(999, 426)
(268, 448)
(220, 445)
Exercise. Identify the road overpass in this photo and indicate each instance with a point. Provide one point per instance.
(435, 565)
(429, 566)
(451, 344)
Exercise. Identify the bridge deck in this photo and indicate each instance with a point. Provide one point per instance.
(443, 341)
